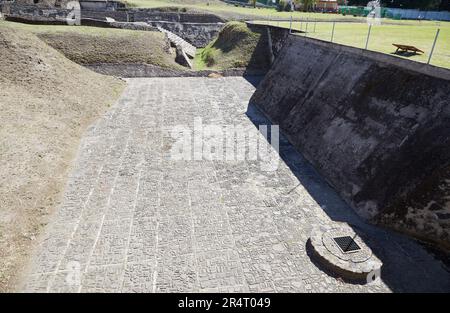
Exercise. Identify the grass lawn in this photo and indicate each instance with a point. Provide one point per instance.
(383, 36)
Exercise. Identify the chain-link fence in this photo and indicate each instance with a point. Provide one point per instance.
(430, 38)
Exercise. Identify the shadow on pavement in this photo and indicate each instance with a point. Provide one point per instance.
(407, 266)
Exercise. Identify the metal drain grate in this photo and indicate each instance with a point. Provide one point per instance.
(346, 244)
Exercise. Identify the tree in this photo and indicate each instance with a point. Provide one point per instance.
(308, 4)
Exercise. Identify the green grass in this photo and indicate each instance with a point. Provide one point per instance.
(235, 47)
(199, 64)
(383, 36)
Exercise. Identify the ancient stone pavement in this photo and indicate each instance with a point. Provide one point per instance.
(135, 220)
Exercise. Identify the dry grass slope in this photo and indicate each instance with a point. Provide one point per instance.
(46, 102)
(89, 45)
(113, 47)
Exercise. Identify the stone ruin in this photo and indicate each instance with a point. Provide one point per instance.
(198, 29)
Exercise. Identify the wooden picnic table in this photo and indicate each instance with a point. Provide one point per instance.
(406, 48)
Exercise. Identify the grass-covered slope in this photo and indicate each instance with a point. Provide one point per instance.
(89, 45)
(235, 47)
(46, 103)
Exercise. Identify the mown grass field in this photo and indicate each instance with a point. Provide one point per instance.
(382, 37)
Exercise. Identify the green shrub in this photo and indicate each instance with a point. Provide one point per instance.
(284, 6)
(209, 56)
(235, 46)
(281, 5)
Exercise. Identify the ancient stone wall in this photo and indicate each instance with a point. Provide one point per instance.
(196, 28)
(148, 15)
(197, 34)
(145, 15)
(36, 14)
(376, 126)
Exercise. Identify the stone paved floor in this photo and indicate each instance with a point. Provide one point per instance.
(134, 220)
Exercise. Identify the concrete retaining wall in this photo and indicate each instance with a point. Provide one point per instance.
(278, 36)
(376, 126)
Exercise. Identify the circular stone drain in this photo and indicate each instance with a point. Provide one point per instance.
(343, 252)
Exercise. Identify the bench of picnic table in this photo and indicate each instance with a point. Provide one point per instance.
(406, 48)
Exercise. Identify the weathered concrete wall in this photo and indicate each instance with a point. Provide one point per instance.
(278, 36)
(418, 213)
(376, 126)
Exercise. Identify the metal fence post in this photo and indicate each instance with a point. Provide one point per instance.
(306, 29)
(368, 36)
(434, 45)
(290, 25)
(315, 23)
(332, 32)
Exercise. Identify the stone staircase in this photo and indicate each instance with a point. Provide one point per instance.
(179, 42)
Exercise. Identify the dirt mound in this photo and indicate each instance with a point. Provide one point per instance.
(46, 102)
(236, 46)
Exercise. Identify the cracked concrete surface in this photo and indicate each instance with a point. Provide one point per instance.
(134, 220)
